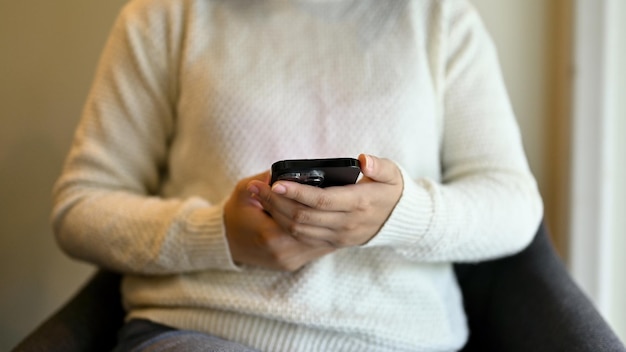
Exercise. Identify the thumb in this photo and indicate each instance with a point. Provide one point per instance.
(248, 187)
(379, 169)
(253, 183)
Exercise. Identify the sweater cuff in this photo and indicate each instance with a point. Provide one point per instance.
(204, 239)
(411, 218)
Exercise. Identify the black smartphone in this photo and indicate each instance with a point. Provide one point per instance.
(317, 172)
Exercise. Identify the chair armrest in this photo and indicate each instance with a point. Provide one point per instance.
(528, 302)
(88, 322)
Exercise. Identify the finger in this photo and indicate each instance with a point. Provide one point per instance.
(379, 169)
(310, 226)
(340, 198)
(243, 186)
(309, 223)
(298, 260)
(311, 242)
(293, 210)
(292, 244)
(255, 183)
(262, 178)
(279, 250)
(334, 229)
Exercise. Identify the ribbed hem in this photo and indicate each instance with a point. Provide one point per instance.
(265, 334)
(410, 220)
(204, 239)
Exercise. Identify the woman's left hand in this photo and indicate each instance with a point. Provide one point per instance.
(342, 216)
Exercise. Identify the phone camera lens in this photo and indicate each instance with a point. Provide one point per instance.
(312, 177)
(314, 181)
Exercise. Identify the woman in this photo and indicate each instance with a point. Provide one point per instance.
(192, 102)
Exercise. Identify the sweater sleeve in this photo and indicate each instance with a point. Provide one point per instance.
(106, 206)
(487, 204)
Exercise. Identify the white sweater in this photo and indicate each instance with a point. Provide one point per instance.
(193, 95)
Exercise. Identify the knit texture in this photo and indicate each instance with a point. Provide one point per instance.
(193, 95)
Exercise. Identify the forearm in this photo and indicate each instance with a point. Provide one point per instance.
(476, 217)
(130, 232)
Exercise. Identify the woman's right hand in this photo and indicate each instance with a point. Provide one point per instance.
(254, 238)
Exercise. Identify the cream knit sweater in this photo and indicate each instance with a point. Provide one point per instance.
(193, 95)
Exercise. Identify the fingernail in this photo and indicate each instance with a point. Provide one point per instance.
(279, 188)
(253, 189)
(369, 162)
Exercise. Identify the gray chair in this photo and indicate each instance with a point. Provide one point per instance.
(526, 302)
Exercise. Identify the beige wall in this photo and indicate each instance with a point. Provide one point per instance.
(533, 40)
(48, 51)
(521, 32)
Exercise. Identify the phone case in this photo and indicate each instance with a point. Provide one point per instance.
(317, 172)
